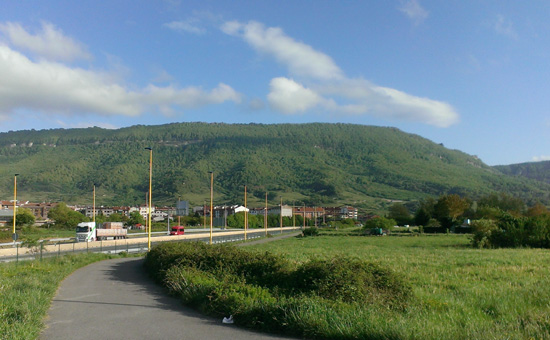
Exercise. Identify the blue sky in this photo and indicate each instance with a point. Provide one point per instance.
(473, 75)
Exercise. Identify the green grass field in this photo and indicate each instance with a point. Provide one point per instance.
(26, 291)
(459, 292)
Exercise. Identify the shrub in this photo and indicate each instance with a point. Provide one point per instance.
(192, 269)
(511, 231)
(380, 222)
(311, 231)
(482, 231)
(267, 292)
(349, 280)
(256, 268)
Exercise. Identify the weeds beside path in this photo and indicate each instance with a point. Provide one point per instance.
(26, 291)
(268, 239)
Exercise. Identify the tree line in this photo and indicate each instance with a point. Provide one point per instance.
(494, 220)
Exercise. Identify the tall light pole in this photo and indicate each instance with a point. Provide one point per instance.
(14, 204)
(150, 194)
(245, 215)
(265, 214)
(304, 216)
(293, 214)
(211, 201)
(93, 207)
(281, 216)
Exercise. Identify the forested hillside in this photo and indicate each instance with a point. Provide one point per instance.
(312, 163)
(539, 171)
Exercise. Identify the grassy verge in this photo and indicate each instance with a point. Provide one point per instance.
(26, 291)
(456, 292)
(319, 298)
(459, 292)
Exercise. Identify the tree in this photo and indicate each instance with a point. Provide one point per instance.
(236, 220)
(64, 217)
(537, 210)
(380, 222)
(23, 217)
(425, 212)
(504, 202)
(400, 214)
(116, 217)
(135, 218)
(449, 208)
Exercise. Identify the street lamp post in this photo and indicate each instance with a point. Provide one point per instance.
(211, 201)
(93, 207)
(265, 214)
(245, 215)
(304, 216)
(281, 215)
(14, 205)
(150, 194)
(293, 214)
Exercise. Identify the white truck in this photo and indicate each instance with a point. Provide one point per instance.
(89, 231)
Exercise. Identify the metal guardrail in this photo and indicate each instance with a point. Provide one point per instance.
(112, 247)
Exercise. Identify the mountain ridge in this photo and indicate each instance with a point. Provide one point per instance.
(313, 162)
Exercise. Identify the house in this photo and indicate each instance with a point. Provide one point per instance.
(5, 216)
(309, 212)
(39, 210)
(341, 213)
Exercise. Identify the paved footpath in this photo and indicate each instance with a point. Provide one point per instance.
(114, 299)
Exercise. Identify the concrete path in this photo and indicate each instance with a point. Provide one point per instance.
(114, 299)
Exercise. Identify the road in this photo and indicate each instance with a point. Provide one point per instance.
(115, 299)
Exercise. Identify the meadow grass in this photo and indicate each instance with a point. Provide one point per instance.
(27, 288)
(459, 292)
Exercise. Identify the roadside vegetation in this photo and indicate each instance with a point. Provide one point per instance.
(26, 291)
(435, 286)
(315, 298)
(458, 292)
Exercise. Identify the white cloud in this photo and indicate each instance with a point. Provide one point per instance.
(189, 26)
(51, 87)
(288, 96)
(414, 11)
(49, 43)
(301, 59)
(328, 88)
(397, 104)
(161, 76)
(541, 158)
(189, 97)
(504, 27)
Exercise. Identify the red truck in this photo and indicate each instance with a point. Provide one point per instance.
(177, 230)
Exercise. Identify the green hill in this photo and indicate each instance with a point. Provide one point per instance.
(312, 163)
(539, 171)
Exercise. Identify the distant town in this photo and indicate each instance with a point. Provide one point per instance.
(220, 214)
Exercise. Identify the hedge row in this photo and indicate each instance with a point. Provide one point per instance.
(268, 292)
(512, 232)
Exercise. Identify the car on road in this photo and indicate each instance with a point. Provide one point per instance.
(177, 230)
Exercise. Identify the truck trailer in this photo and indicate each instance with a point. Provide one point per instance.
(89, 231)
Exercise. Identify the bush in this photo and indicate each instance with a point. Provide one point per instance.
(380, 222)
(311, 231)
(267, 292)
(255, 268)
(349, 280)
(482, 233)
(342, 279)
(510, 231)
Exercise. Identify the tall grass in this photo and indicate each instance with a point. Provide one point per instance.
(26, 291)
(320, 298)
(460, 292)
